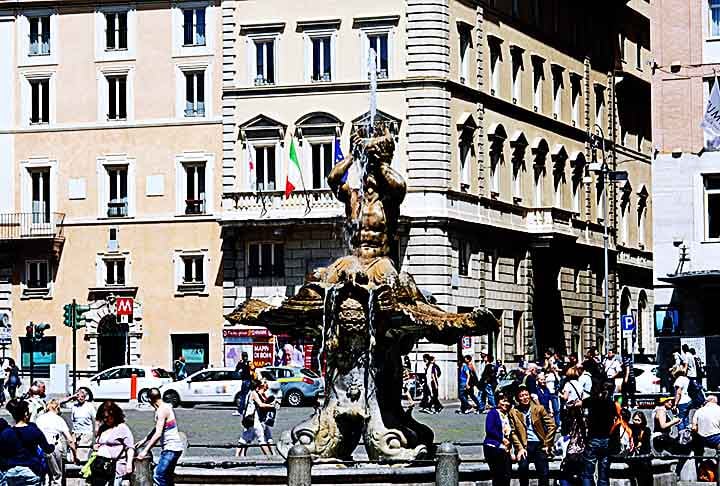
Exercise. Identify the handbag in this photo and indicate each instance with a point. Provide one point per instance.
(248, 420)
(86, 470)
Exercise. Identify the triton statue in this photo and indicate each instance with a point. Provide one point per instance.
(365, 316)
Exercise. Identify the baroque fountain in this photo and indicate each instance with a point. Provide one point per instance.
(364, 314)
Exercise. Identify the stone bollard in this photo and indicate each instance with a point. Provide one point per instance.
(447, 470)
(299, 466)
(142, 474)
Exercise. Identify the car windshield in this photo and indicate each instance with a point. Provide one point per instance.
(268, 375)
(639, 371)
(309, 373)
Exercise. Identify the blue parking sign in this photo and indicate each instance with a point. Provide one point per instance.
(627, 323)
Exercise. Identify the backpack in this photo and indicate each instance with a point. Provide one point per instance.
(621, 436)
(436, 370)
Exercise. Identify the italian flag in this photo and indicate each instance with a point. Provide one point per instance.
(294, 175)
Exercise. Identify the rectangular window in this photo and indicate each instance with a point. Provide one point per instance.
(117, 97)
(117, 206)
(638, 55)
(114, 271)
(519, 333)
(379, 44)
(39, 101)
(192, 270)
(714, 18)
(558, 85)
(40, 188)
(495, 61)
(194, 26)
(265, 167)
(194, 93)
(266, 260)
(465, 46)
(517, 68)
(599, 105)
(621, 42)
(576, 91)
(712, 205)
(463, 258)
(322, 163)
(116, 31)
(37, 274)
(264, 62)
(39, 36)
(321, 59)
(195, 189)
(538, 83)
(465, 152)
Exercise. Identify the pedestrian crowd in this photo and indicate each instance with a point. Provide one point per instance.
(582, 412)
(33, 449)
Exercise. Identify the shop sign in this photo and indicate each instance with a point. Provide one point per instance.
(231, 333)
(262, 354)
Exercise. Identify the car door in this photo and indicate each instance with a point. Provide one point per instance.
(116, 386)
(98, 384)
(200, 387)
(220, 387)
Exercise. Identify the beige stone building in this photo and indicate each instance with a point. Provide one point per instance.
(491, 104)
(110, 144)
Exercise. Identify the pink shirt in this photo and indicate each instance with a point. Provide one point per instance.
(111, 446)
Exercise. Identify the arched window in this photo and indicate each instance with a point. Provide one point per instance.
(262, 139)
(559, 157)
(317, 132)
(518, 144)
(577, 161)
(496, 136)
(540, 149)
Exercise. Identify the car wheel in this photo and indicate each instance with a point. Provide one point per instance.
(172, 398)
(294, 398)
(143, 396)
(88, 394)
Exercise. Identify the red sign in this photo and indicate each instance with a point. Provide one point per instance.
(245, 333)
(262, 354)
(124, 306)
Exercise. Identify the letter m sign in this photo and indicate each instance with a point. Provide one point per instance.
(124, 306)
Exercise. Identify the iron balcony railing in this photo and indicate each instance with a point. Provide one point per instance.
(18, 226)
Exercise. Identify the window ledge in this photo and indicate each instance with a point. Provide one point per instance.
(711, 241)
(712, 39)
(44, 293)
(192, 289)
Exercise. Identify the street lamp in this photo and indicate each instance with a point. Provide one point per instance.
(601, 168)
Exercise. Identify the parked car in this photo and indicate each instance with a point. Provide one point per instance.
(646, 379)
(299, 385)
(114, 383)
(212, 385)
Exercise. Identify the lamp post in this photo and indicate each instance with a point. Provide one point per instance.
(603, 170)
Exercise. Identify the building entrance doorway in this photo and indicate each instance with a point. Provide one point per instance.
(112, 342)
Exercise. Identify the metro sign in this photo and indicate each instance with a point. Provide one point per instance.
(124, 306)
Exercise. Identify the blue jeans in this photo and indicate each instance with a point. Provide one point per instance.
(684, 415)
(596, 452)
(164, 474)
(555, 402)
(22, 476)
(487, 395)
(244, 390)
(536, 454)
(467, 394)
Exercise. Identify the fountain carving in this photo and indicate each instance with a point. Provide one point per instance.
(365, 316)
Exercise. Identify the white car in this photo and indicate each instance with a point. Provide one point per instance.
(212, 385)
(114, 383)
(646, 379)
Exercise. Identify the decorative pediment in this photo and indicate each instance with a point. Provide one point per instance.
(577, 160)
(518, 143)
(467, 122)
(262, 126)
(497, 134)
(318, 123)
(625, 193)
(380, 116)
(643, 195)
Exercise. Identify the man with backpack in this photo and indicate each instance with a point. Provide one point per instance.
(430, 401)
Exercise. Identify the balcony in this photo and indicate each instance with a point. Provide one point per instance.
(117, 208)
(312, 205)
(19, 226)
(194, 206)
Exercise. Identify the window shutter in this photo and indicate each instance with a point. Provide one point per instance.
(122, 86)
(122, 28)
(34, 41)
(45, 88)
(270, 59)
(112, 98)
(260, 166)
(35, 109)
(189, 94)
(188, 27)
(316, 174)
(110, 31)
(120, 266)
(200, 26)
(270, 151)
(199, 269)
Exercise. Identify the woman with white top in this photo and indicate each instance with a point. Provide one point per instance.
(682, 398)
(114, 444)
(56, 431)
(572, 395)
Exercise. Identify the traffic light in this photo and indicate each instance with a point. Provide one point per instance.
(67, 315)
(80, 311)
(30, 331)
(40, 329)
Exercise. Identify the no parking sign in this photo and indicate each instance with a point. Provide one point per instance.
(466, 342)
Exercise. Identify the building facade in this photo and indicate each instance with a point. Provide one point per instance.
(491, 104)
(686, 177)
(110, 169)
